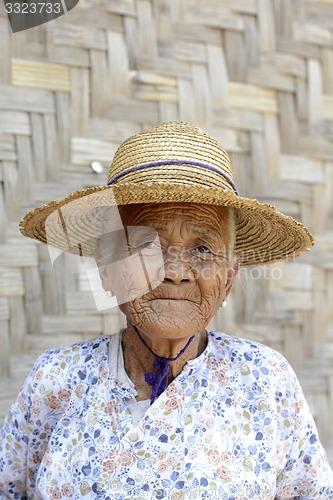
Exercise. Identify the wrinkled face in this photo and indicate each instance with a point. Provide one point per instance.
(185, 250)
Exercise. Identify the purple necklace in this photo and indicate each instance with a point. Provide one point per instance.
(159, 380)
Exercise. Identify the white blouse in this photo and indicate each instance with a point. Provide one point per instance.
(233, 425)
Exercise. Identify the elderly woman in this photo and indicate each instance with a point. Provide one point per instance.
(165, 408)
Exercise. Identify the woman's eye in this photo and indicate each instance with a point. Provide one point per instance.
(203, 249)
(145, 245)
(150, 245)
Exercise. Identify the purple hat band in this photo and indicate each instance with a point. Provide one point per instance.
(173, 162)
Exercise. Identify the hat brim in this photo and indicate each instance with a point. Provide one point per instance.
(263, 234)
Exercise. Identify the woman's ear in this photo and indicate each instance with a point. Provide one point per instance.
(103, 269)
(231, 273)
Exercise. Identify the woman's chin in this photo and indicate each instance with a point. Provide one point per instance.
(166, 318)
(172, 326)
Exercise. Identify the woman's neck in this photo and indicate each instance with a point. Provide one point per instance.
(139, 360)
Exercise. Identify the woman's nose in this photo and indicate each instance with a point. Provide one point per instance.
(177, 266)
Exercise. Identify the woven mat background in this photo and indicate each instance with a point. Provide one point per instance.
(256, 74)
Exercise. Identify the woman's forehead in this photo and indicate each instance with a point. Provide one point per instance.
(161, 214)
(196, 219)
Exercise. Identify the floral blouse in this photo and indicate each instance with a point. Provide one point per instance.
(233, 425)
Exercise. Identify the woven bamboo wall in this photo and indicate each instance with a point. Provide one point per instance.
(256, 74)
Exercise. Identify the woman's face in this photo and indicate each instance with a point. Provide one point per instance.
(186, 253)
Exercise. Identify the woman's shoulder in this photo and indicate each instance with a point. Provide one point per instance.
(83, 351)
(240, 344)
(238, 350)
(69, 365)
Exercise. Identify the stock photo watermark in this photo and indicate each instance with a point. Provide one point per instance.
(29, 14)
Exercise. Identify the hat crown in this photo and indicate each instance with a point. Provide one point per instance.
(172, 152)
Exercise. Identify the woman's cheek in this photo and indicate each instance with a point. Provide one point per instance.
(211, 281)
(211, 273)
(135, 276)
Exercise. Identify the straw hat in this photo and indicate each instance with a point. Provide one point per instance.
(170, 162)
